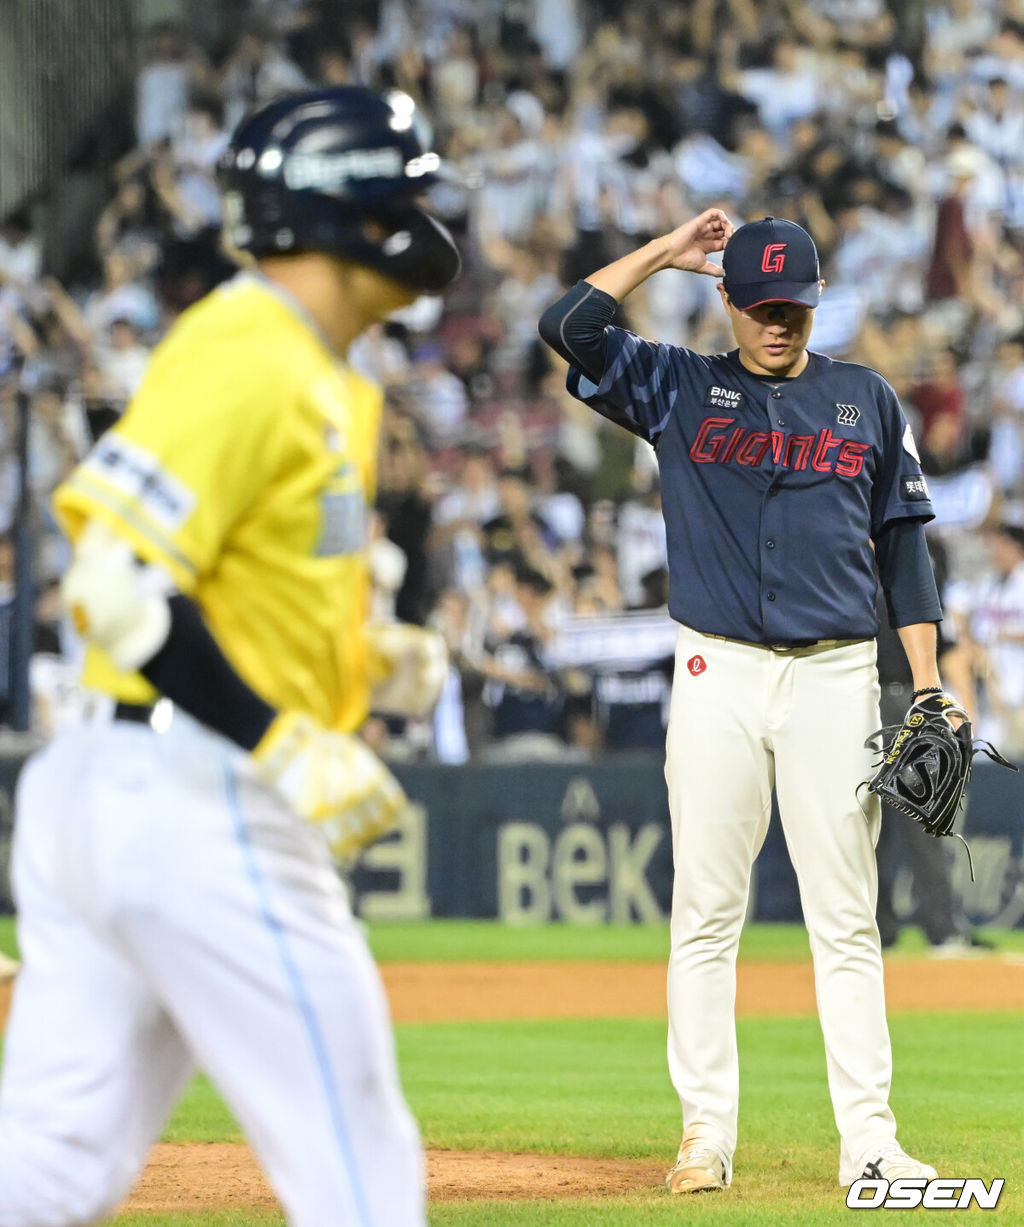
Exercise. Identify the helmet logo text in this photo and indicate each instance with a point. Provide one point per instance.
(326, 172)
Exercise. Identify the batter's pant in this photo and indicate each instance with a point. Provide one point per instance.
(173, 914)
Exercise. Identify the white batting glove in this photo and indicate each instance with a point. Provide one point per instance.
(331, 779)
(408, 667)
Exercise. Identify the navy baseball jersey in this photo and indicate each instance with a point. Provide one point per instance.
(772, 489)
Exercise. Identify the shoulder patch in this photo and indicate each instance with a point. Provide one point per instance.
(136, 476)
(847, 415)
(914, 489)
(723, 398)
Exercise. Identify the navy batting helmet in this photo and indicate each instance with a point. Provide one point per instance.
(338, 170)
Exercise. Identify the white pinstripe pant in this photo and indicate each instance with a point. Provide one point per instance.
(173, 913)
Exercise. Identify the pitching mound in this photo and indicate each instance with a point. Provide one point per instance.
(200, 1177)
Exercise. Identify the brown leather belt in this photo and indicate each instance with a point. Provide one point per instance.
(810, 648)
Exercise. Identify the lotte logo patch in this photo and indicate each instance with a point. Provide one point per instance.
(697, 665)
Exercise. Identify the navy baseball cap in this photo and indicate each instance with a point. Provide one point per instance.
(771, 260)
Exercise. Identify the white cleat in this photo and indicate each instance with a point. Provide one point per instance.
(699, 1167)
(891, 1162)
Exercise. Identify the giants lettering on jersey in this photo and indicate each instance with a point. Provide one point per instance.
(721, 441)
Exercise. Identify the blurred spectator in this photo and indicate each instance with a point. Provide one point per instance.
(516, 167)
(518, 531)
(435, 396)
(459, 515)
(939, 394)
(184, 171)
(256, 72)
(990, 617)
(123, 295)
(455, 76)
(640, 540)
(406, 512)
(20, 251)
(997, 123)
(527, 701)
(122, 360)
(172, 68)
(784, 92)
(571, 130)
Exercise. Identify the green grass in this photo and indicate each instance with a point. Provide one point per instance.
(8, 942)
(453, 941)
(462, 940)
(600, 1088)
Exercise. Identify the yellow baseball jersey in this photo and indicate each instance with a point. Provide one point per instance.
(245, 468)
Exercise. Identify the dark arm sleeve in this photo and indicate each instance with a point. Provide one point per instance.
(906, 574)
(574, 327)
(192, 671)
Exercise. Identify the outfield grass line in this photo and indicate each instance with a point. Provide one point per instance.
(468, 940)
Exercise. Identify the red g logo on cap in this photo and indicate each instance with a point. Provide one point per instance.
(696, 665)
(774, 258)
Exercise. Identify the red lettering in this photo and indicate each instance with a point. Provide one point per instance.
(734, 442)
(773, 258)
(826, 442)
(707, 448)
(778, 442)
(801, 445)
(754, 449)
(851, 458)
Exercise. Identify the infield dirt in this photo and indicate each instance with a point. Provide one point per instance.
(205, 1176)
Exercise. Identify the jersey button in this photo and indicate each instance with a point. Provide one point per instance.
(776, 396)
(772, 491)
(781, 421)
(770, 543)
(771, 596)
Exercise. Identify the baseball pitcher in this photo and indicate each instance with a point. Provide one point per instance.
(785, 476)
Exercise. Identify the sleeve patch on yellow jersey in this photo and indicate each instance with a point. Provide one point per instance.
(344, 523)
(137, 475)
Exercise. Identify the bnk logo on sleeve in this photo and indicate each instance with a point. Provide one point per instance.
(910, 1192)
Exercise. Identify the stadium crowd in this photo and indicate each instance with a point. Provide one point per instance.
(523, 526)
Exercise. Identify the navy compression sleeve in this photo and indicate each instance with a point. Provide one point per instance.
(905, 571)
(574, 327)
(193, 672)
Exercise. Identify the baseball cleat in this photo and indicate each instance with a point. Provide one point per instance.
(9, 968)
(699, 1166)
(890, 1162)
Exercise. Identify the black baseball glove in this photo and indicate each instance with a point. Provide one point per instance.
(926, 764)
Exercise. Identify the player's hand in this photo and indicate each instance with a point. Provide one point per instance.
(690, 244)
(330, 779)
(408, 667)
